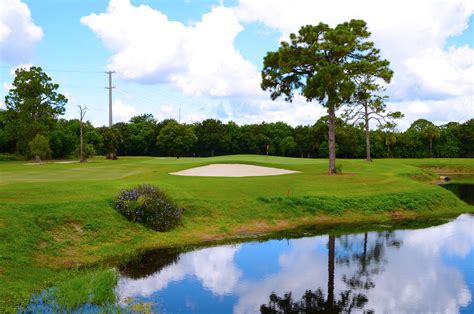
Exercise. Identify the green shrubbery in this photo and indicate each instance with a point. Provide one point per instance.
(148, 205)
(39, 147)
(89, 151)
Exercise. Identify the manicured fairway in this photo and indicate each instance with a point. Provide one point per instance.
(56, 216)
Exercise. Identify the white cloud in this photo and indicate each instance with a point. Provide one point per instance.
(96, 123)
(122, 112)
(214, 267)
(166, 112)
(411, 34)
(417, 108)
(25, 66)
(457, 109)
(7, 86)
(446, 73)
(18, 33)
(298, 112)
(200, 59)
(455, 239)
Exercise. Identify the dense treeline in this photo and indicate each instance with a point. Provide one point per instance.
(144, 136)
(30, 126)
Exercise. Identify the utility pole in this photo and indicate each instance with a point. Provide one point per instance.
(179, 115)
(110, 96)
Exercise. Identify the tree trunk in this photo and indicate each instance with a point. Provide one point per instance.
(82, 144)
(367, 133)
(331, 253)
(332, 139)
(364, 261)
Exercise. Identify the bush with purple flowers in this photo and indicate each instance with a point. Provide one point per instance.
(148, 205)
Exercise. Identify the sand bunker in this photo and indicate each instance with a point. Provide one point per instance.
(232, 170)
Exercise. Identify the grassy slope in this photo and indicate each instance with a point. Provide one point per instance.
(57, 216)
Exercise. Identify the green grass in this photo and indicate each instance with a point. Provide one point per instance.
(56, 217)
(85, 287)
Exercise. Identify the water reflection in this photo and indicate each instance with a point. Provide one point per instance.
(213, 267)
(464, 191)
(425, 270)
(148, 263)
(368, 259)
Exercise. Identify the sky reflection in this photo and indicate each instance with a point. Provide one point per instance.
(425, 270)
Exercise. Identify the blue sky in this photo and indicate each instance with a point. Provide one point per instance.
(76, 53)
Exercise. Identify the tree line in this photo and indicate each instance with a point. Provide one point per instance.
(145, 136)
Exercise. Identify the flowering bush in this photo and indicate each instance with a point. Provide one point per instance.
(148, 205)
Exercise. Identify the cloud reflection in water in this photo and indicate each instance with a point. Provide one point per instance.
(401, 271)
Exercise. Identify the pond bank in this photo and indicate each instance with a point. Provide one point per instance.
(153, 279)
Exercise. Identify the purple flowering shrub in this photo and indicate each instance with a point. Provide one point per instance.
(148, 205)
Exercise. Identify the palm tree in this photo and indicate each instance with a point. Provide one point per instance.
(431, 132)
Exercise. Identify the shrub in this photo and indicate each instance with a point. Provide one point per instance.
(39, 147)
(89, 151)
(148, 205)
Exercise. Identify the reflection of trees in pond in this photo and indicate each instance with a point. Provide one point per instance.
(148, 263)
(314, 302)
(369, 261)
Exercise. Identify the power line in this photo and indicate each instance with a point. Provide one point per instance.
(153, 95)
(79, 86)
(139, 97)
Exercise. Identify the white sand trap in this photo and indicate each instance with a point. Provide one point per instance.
(66, 162)
(232, 170)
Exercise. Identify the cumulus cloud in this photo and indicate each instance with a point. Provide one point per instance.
(7, 86)
(199, 59)
(214, 267)
(122, 112)
(407, 32)
(457, 109)
(166, 112)
(444, 73)
(429, 81)
(18, 33)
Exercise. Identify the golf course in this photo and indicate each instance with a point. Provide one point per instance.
(211, 157)
(57, 219)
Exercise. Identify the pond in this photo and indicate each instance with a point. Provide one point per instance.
(424, 270)
(419, 270)
(464, 191)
